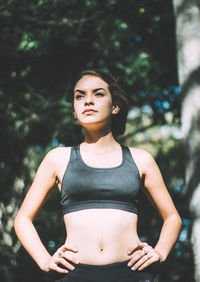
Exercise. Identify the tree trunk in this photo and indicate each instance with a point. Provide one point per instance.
(187, 13)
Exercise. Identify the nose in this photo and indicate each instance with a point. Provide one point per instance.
(89, 99)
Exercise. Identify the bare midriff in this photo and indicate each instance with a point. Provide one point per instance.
(102, 236)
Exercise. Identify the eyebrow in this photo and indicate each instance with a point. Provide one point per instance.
(94, 90)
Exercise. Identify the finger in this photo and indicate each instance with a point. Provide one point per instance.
(63, 262)
(146, 260)
(137, 246)
(146, 250)
(136, 257)
(69, 257)
(66, 264)
(147, 263)
(68, 248)
(58, 269)
(140, 262)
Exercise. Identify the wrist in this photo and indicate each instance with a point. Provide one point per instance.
(162, 258)
(45, 264)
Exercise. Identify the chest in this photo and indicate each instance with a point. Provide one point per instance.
(81, 182)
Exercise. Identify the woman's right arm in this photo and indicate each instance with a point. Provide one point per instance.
(44, 183)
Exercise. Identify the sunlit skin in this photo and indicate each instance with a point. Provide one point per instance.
(97, 236)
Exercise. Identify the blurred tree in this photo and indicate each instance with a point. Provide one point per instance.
(43, 45)
(188, 48)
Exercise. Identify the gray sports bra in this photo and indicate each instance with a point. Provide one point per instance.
(85, 187)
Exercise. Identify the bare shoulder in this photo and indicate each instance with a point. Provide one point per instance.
(140, 153)
(57, 156)
(143, 159)
(58, 152)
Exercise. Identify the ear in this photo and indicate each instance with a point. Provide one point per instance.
(115, 109)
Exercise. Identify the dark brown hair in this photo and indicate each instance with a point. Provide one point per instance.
(118, 98)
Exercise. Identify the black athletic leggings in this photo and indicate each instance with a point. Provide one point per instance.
(116, 272)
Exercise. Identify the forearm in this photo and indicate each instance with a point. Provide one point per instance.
(168, 236)
(29, 238)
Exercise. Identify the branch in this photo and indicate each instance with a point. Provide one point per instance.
(138, 130)
(52, 22)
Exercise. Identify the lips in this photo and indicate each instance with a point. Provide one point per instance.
(89, 111)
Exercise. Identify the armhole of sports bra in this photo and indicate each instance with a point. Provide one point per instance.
(71, 157)
(130, 158)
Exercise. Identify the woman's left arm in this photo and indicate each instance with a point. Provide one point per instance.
(156, 191)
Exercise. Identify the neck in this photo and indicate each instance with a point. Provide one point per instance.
(99, 141)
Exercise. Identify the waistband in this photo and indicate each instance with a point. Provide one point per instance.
(115, 265)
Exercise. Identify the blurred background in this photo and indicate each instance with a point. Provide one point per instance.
(43, 45)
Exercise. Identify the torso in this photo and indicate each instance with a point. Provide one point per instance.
(102, 236)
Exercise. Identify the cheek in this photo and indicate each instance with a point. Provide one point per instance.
(76, 107)
(107, 103)
(108, 106)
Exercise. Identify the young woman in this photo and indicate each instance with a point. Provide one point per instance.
(99, 181)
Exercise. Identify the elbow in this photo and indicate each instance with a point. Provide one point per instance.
(19, 222)
(179, 222)
(176, 221)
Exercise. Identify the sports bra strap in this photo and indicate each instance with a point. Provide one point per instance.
(128, 156)
(73, 153)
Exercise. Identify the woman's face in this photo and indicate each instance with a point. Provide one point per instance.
(93, 101)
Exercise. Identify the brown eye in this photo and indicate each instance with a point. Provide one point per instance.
(79, 96)
(99, 94)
